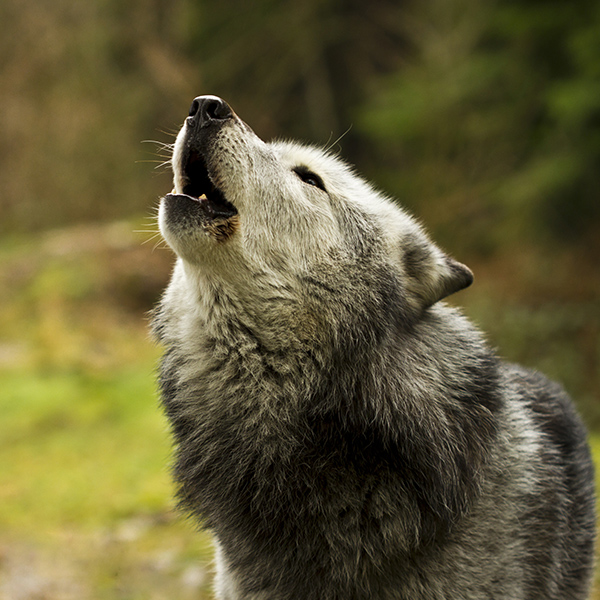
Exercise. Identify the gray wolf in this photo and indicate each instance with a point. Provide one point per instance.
(343, 432)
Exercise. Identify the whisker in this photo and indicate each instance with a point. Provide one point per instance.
(328, 147)
(158, 143)
(154, 236)
(163, 150)
(171, 133)
(160, 245)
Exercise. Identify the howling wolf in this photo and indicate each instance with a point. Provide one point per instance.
(342, 432)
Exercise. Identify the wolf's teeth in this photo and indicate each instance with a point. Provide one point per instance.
(203, 197)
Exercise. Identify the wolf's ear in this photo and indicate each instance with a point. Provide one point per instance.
(432, 274)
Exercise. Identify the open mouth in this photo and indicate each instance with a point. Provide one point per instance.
(199, 186)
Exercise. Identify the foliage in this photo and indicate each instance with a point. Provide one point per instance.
(496, 118)
(78, 83)
(298, 68)
(489, 109)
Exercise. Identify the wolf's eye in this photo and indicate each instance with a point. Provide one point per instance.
(309, 177)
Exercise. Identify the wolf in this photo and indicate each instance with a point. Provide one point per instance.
(342, 431)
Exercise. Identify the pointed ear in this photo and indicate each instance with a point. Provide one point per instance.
(432, 274)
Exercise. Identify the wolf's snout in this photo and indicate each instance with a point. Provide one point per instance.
(208, 109)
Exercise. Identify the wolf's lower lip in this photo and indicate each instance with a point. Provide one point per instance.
(210, 208)
(173, 194)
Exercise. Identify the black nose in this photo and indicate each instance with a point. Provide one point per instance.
(208, 109)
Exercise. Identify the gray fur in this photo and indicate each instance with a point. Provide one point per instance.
(342, 432)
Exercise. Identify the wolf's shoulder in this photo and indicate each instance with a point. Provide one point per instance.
(550, 406)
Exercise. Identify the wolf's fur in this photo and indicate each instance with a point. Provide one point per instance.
(342, 432)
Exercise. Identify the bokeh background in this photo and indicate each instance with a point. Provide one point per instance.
(481, 117)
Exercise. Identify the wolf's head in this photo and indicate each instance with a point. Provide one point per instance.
(270, 219)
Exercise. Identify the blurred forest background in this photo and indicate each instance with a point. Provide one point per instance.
(481, 117)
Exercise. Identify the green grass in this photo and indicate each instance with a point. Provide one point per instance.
(85, 477)
(80, 448)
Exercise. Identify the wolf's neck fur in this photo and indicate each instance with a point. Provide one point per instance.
(262, 428)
